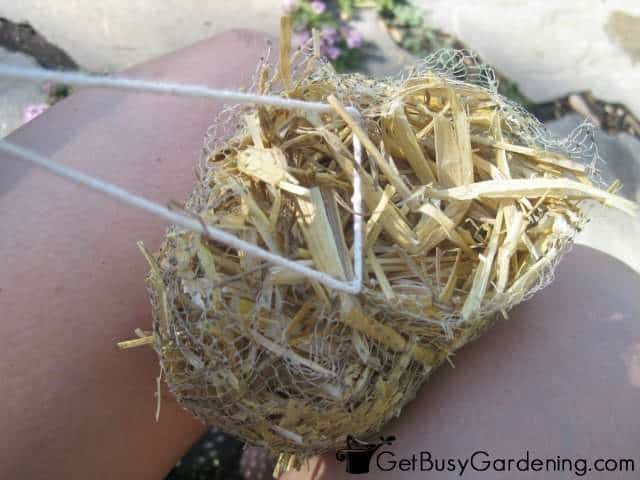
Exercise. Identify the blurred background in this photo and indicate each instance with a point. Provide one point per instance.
(567, 61)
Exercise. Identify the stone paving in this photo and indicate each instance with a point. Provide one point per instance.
(16, 96)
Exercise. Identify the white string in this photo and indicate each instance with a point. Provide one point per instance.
(85, 80)
(180, 219)
(118, 83)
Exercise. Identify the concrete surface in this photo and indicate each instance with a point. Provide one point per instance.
(111, 35)
(16, 96)
(115, 34)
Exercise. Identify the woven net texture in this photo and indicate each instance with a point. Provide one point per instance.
(469, 203)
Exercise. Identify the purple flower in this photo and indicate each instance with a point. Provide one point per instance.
(353, 38)
(318, 7)
(289, 5)
(32, 111)
(332, 52)
(329, 35)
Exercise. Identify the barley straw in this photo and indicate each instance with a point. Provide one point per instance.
(466, 215)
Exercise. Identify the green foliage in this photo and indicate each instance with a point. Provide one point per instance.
(509, 88)
(407, 25)
(411, 30)
(58, 92)
(347, 7)
(340, 42)
(403, 14)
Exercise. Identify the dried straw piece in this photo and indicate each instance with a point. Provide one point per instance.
(466, 215)
(534, 188)
(137, 342)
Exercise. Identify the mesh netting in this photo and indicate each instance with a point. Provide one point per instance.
(289, 365)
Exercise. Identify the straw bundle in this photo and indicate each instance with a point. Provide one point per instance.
(468, 206)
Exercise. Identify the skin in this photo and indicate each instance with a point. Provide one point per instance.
(561, 377)
(71, 284)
